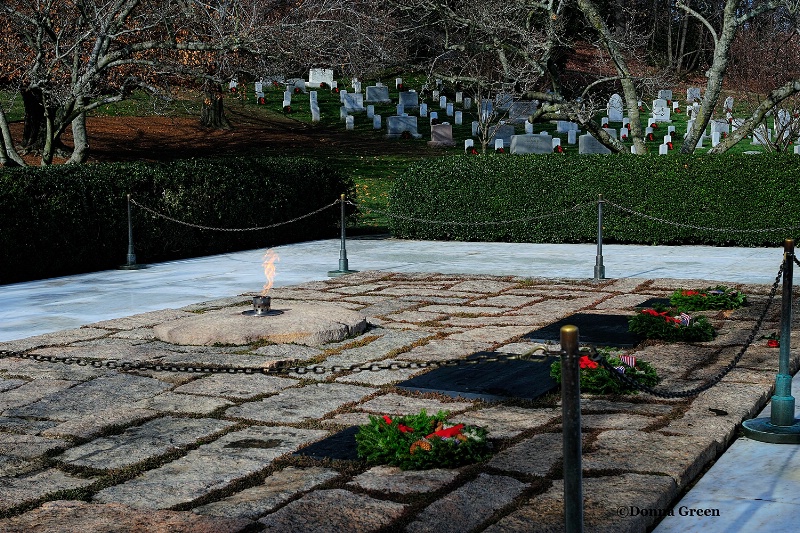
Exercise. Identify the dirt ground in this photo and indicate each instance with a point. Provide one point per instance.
(160, 138)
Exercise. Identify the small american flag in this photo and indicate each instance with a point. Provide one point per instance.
(620, 369)
(685, 319)
(628, 360)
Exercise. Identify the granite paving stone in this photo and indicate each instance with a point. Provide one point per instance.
(281, 352)
(33, 391)
(236, 386)
(111, 390)
(469, 506)
(483, 285)
(8, 384)
(210, 467)
(680, 457)
(277, 489)
(141, 320)
(506, 300)
(28, 446)
(416, 316)
(441, 349)
(333, 511)
(390, 341)
(507, 421)
(470, 309)
(51, 517)
(95, 422)
(171, 402)
(491, 334)
(144, 442)
(15, 424)
(395, 404)
(380, 377)
(535, 456)
(616, 421)
(300, 404)
(58, 338)
(29, 369)
(392, 480)
(20, 490)
(608, 502)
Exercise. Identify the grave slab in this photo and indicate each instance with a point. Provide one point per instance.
(599, 329)
(487, 381)
(391, 479)
(341, 445)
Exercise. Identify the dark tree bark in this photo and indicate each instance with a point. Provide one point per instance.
(212, 115)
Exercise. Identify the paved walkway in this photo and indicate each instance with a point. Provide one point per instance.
(175, 451)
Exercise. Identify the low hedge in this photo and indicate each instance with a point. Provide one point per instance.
(725, 192)
(68, 219)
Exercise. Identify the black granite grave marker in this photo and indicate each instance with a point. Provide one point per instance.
(652, 302)
(488, 381)
(601, 330)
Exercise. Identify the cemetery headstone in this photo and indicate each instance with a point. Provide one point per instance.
(434, 115)
(408, 99)
(459, 118)
(663, 149)
(378, 95)
(715, 138)
(343, 113)
(498, 144)
(354, 102)
(441, 135)
(370, 111)
(692, 94)
(661, 114)
(398, 82)
(318, 76)
(475, 125)
(459, 97)
(563, 126)
(467, 102)
(299, 84)
(670, 129)
(350, 122)
(720, 126)
(397, 125)
(314, 105)
(572, 136)
(615, 108)
(486, 108)
(666, 94)
(761, 135)
(376, 122)
(783, 120)
(528, 127)
(442, 102)
(468, 144)
(520, 111)
(504, 101)
(401, 109)
(531, 144)
(423, 110)
(587, 144)
(502, 132)
(623, 133)
(449, 110)
(356, 86)
(728, 104)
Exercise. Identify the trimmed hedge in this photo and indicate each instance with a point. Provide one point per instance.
(726, 191)
(68, 219)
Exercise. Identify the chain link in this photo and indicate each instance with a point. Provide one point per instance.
(577, 207)
(692, 226)
(283, 368)
(714, 380)
(198, 226)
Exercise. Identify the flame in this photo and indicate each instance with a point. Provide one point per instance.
(270, 258)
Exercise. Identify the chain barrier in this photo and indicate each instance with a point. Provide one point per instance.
(577, 207)
(692, 226)
(796, 261)
(198, 226)
(285, 368)
(714, 380)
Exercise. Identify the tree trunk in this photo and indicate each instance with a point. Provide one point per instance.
(34, 131)
(212, 114)
(8, 154)
(80, 150)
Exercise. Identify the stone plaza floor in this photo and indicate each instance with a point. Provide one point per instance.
(101, 449)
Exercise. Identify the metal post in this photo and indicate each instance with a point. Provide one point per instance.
(131, 262)
(781, 427)
(571, 427)
(343, 267)
(599, 269)
(782, 401)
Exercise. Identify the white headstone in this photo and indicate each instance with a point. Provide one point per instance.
(729, 104)
(556, 142)
(401, 109)
(666, 94)
(531, 144)
(467, 102)
(434, 115)
(667, 139)
(370, 111)
(441, 135)
(572, 136)
(563, 126)
(342, 95)
(661, 114)
(715, 138)
(623, 133)
(354, 102)
(633, 149)
(376, 122)
(459, 118)
(498, 144)
(468, 143)
(299, 85)
(692, 94)
(350, 122)
(423, 110)
(378, 95)
(663, 149)
(659, 102)
(459, 97)
(720, 126)
(604, 122)
(797, 149)
(260, 87)
(615, 108)
(317, 76)
(396, 126)
(233, 85)
(356, 86)
(449, 110)
(648, 130)
(676, 105)
(343, 113)
(475, 125)
(589, 145)
(700, 141)
(435, 95)
(528, 127)
(398, 82)
(625, 122)
(408, 99)
(287, 96)
(442, 102)
(670, 129)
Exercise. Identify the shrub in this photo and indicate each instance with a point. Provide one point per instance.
(719, 297)
(543, 190)
(594, 378)
(67, 219)
(666, 324)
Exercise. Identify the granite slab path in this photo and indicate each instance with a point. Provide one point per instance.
(92, 448)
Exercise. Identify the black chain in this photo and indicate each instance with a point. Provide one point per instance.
(279, 369)
(713, 381)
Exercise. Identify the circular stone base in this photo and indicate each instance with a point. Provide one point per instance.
(299, 323)
(761, 429)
